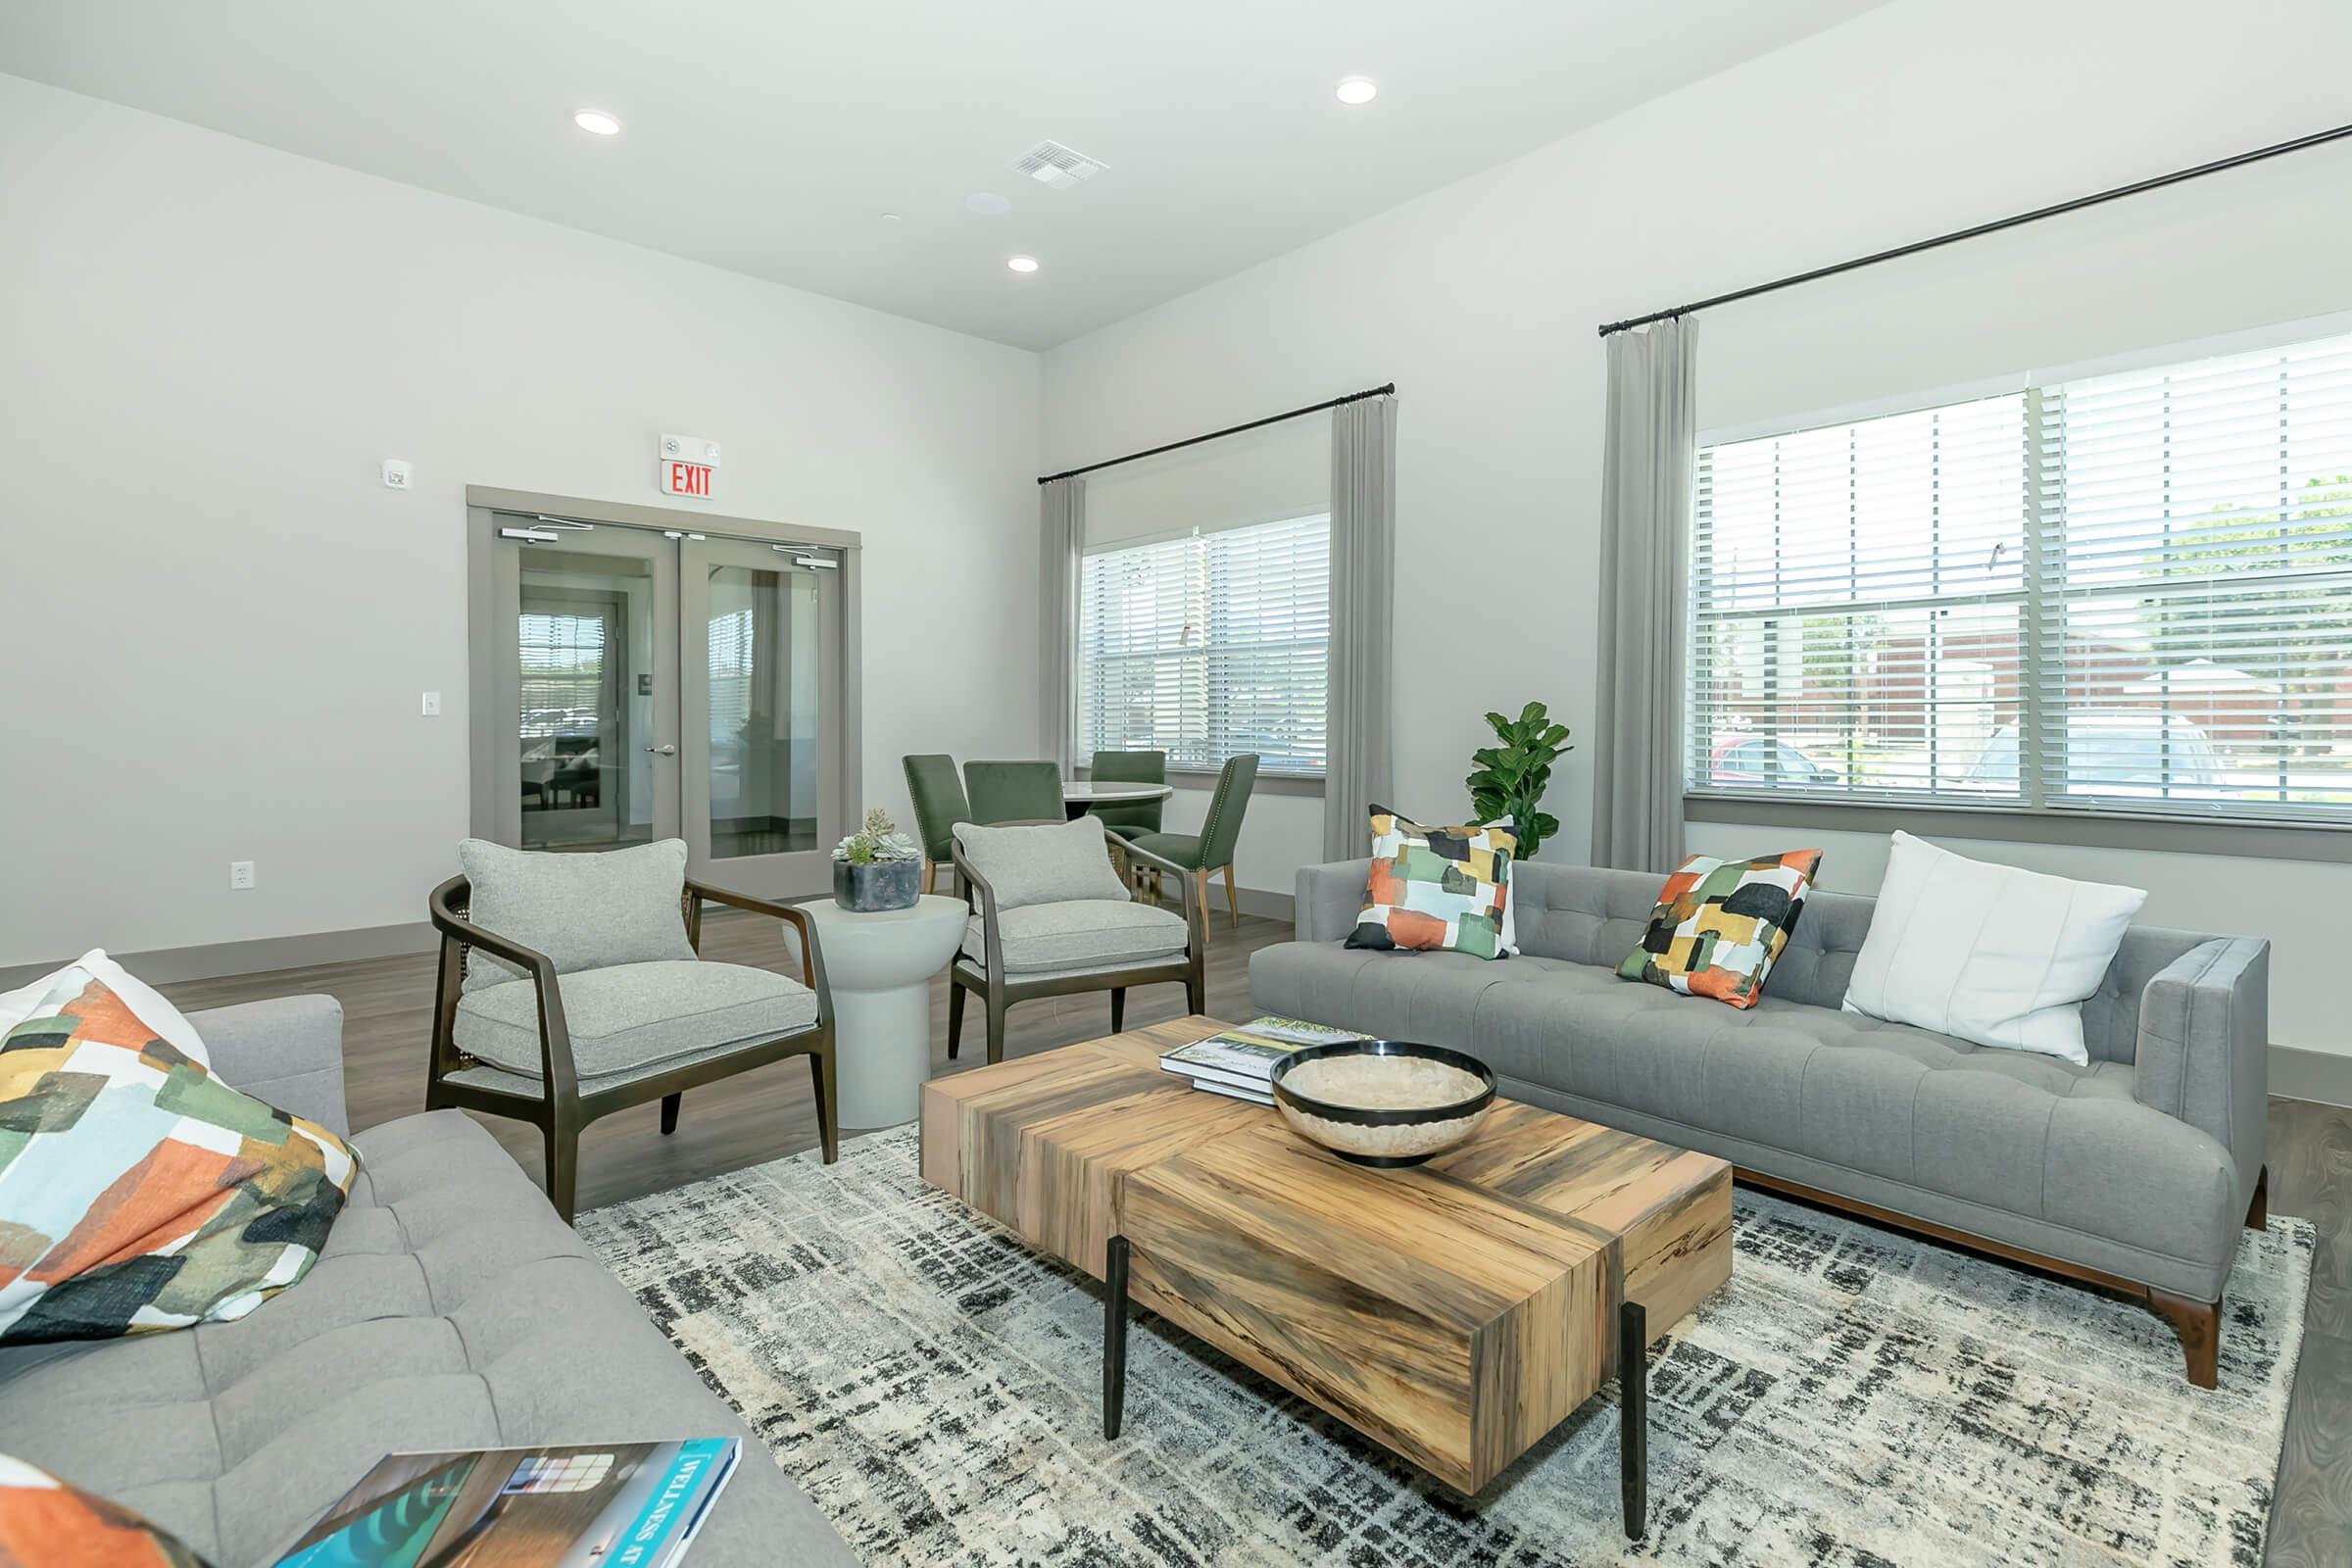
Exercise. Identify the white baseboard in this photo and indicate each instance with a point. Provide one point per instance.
(2323, 1076)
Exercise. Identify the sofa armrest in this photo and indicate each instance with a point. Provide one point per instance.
(1327, 898)
(2203, 1054)
(287, 1051)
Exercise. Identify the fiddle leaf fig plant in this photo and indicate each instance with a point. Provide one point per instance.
(1508, 780)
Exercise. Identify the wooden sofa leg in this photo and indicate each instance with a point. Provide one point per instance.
(2258, 1212)
(2199, 1325)
(670, 1112)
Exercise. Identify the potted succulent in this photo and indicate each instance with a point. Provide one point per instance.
(877, 867)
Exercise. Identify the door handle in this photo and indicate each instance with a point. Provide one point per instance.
(663, 750)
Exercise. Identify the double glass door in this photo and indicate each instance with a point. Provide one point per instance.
(650, 684)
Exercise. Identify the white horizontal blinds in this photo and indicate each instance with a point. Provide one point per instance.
(1209, 646)
(562, 672)
(2196, 609)
(1857, 596)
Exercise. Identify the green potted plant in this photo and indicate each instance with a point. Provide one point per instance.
(1509, 779)
(877, 867)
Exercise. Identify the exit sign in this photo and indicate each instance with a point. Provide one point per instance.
(684, 465)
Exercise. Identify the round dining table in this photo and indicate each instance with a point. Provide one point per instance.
(1078, 794)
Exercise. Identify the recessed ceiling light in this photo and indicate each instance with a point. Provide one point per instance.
(1022, 263)
(597, 122)
(1358, 89)
(890, 218)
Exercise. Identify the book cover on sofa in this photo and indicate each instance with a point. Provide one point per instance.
(612, 1505)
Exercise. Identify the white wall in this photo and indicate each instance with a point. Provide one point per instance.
(1480, 300)
(215, 622)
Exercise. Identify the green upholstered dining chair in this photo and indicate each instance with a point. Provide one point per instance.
(1133, 820)
(939, 805)
(1220, 831)
(1014, 792)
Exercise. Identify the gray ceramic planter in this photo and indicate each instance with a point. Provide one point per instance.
(873, 886)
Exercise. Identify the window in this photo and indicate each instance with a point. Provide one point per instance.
(2130, 593)
(564, 673)
(1207, 646)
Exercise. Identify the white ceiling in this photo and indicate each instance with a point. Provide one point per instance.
(769, 136)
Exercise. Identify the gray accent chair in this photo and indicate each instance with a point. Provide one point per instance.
(601, 1026)
(2133, 1173)
(1028, 939)
(450, 1308)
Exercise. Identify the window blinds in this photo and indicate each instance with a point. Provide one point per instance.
(1208, 646)
(562, 672)
(2127, 593)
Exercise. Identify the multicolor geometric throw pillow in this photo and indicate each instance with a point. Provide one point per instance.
(1444, 889)
(47, 1521)
(139, 1192)
(1720, 925)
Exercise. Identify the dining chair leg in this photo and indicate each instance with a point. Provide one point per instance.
(670, 1112)
(1119, 1008)
(930, 874)
(828, 1125)
(1232, 900)
(955, 994)
(1200, 898)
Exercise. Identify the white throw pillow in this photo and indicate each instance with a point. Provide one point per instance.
(1987, 953)
(44, 996)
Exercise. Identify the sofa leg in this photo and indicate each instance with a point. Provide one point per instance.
(2199, 1325)
(954, 1018)
(670, 1112)
(2258, 1212)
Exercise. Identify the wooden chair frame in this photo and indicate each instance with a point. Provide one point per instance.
(998, 991)
(560, 1112)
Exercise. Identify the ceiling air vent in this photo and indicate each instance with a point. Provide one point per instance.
(1050, 163)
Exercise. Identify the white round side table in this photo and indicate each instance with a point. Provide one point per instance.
(879, 968)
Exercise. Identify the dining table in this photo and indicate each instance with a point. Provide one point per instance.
(1079, 794)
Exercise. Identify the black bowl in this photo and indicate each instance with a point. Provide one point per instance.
(1354, 1132)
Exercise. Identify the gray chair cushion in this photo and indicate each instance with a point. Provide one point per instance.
(449, 1310)
(634, 1017)
(1083, 933)
(584, 912)
(1043, 865)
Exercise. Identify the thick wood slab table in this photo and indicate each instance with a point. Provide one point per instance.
(1453, 1312)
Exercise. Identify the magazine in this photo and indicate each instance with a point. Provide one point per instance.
(609, 1506)
(1243, 1057)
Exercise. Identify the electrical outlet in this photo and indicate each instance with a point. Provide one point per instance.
(240, 873)
(432, 705)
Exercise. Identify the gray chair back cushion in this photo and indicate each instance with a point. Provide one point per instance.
(584, 912)
(1043, 865)
(1587, 914)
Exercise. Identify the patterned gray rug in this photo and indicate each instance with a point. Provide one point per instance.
(1853, 1398)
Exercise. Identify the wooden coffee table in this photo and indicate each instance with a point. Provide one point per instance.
(1453, 1312)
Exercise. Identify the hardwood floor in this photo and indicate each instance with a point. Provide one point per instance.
(767, 1115)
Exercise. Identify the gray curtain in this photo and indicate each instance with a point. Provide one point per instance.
(1651, 458)
(1363, 591)
(1061, 523)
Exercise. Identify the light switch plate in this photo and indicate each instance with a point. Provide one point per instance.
(432, 705)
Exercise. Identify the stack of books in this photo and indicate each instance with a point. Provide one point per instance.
(1239, 1061)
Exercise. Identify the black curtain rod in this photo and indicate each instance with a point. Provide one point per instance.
(2316, 140)
(1235, 429)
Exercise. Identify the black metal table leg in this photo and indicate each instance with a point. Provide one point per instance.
(1632, 1439)
(1114, 1335)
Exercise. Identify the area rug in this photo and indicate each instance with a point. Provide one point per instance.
(1854, 1397)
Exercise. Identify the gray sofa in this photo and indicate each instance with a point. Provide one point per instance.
(2135, 1172)
(449, 1310)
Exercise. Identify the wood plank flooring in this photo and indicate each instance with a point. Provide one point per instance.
(765, 1115)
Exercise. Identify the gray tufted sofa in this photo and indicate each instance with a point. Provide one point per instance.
(2134, 1172)
(450, 1310)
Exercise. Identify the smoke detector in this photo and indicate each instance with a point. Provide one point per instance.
(1050, 163)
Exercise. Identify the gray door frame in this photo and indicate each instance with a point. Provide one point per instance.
(496, 809)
